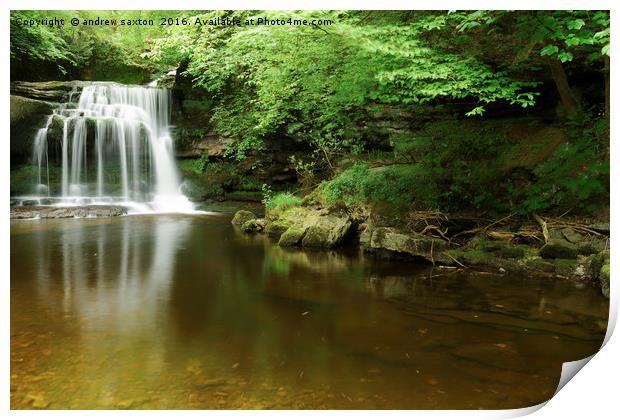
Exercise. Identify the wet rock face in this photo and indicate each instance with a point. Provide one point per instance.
(212, 145)
(43, 212)
(56, 91)
(27, 115)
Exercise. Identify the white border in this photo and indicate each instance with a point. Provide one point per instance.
(593, 394)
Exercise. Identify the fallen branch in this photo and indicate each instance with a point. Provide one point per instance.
(456, 261)
(543, 225)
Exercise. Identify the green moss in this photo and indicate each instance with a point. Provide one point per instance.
(277, 227)
(253, 225)
(242, 216)
(292, 236)
(605, 270)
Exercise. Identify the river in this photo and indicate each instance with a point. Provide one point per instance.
(180, 311)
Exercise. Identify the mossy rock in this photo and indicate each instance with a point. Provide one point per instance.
(558, 248)
(253, 226)
(276, 228)
(539, 264)
(572, 235)
(326, 231)
(242, 216)
(394, 243)
(569, 268)
(55, 130)
(202, 188)
(480, 258)
(594, 246)
(604, 279)
(499, 248)
(292, 236)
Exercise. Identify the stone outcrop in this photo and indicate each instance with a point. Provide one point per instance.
(27, 115)
(392, 242)
(300, 226)
(45, 212)
(211, 145)
(55, 91)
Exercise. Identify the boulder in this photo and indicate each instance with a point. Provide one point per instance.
(392, 240)
(604, 279)
(572, 235)
(558, 248)
(326, 231)
(574, 269)
(242, 216)
(277, 227)
(253, 226)
(292, 236)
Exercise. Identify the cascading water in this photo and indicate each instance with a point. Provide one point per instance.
(115, 147)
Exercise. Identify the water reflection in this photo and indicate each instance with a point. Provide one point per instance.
(182, 312)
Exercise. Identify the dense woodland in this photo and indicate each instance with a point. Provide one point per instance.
(493, 111)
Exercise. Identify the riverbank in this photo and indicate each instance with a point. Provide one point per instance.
(568, 248)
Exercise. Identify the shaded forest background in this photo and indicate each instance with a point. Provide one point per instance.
(492, 111)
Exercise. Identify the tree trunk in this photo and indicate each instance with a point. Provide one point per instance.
(561, 82)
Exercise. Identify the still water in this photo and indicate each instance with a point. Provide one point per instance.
(149, 312)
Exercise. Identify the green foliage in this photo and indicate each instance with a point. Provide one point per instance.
(103, 52)
(457, 165)
(196, 166)
(576, 177)
(396, 184)
(39, 43)
(279, 201)
(316, 84)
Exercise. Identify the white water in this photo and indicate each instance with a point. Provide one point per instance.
(116, 148)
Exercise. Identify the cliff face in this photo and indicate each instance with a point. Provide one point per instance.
(31, 103)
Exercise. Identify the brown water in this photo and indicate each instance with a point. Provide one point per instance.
(184, 312)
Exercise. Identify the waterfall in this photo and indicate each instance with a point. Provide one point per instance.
(115, 147)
